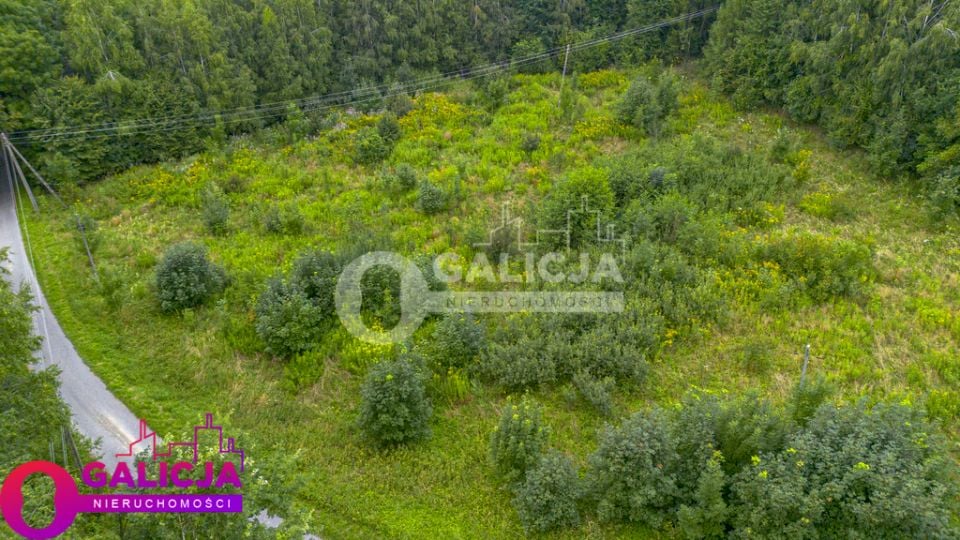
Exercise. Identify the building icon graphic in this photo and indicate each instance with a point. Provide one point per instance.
(149, 441)
(514, 226)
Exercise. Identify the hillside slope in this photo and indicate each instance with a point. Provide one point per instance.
(749, 238)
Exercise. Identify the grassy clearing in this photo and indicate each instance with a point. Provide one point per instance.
(899, 341)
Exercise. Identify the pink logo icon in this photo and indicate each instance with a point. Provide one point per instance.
(148, 440)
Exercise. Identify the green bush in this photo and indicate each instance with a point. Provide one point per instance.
(806, 399)
(756, 356)
(631, 473)
(520, 356)
(634, 175)
(824, 267)
(945, 191)
(670, 215)
(403, 178)
(316, 274)
(530, 143)
(748, 426)
(388, 128)
(707, 515)
(648, 102)
(588, 186)
(185, 278)
(369, 147)
(547, 498)
(285, 220)
(615, 347)
(518, 441)
(597, 392)
(458, 340)
(430, 198)
(380, 291)
(216, 212)
(491, 92)
(234, 184)
(395, 408)
(528, 352)
(852, 472)
(287, 320)
(400, 104)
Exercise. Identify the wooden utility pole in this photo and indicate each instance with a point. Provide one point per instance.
(564, 74)
(18, 171)
(34, 171)
(10, 154)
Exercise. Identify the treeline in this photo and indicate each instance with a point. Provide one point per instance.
(883, 76)
(68, 63)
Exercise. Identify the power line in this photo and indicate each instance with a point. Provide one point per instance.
(326, 101)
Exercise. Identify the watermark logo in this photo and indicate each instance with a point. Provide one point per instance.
(178, 466)
(539, 268)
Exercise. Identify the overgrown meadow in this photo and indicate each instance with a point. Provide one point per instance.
(748, 238)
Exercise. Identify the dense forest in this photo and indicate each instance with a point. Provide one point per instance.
(879, 75)
(84, 65)
(783, 174)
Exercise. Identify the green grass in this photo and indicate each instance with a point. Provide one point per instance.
(899, 342)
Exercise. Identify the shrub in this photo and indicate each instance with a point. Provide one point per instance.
(519, 357)
(272, 222)
(518, 441)
(596, 392)
(670, 215)
(944, 191)
(111, 288)
(186, 278)
(458, 340)
(316, 274)
(395, 408)
(380, 292)
(615, 348)
(784, 146)
(402, 179)
(492, 92)
(588, 185)
(388, 128)
(852, 472)
(286, 220)
(707, 516)
(216, 212)
(287, 320)
(430, 198)
(824, 267)
(400, 104)
(631, 473)
(369, 147)
(547, 498)
(806, 398)
(748, 426)
(234, 184)
(530, 143)
(648, 102)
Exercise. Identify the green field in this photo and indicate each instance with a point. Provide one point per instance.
(891, 332)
